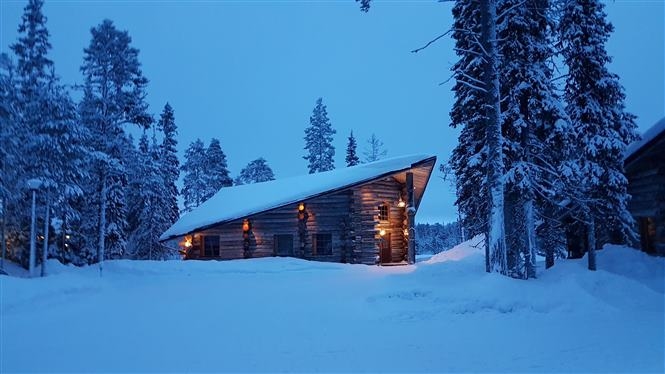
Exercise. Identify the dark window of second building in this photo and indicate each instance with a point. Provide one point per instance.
(284, 245)
(211, 246)
(322, 244)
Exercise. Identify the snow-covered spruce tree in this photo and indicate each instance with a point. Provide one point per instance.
(114, 96)
(469, 158)
(9, 146)
(255, 172)
(535, 138)
(318, 140)
(374, 150)
(52, 142)
(194, 168)
(136, 169)
(216, 169)
(496, 238)
(153, 201)
(595, 104)
(351, 149)
(33, 74)
(169, 160)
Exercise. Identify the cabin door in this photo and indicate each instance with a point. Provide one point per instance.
(386, 253)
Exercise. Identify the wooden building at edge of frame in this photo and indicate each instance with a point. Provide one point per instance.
(644, 166)
(361, 214)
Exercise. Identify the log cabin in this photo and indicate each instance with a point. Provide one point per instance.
(361, 214)
(644, 165)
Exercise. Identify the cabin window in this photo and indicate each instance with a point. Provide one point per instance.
(284, 245)
(322, 244)
(211, 246)
(383, 212)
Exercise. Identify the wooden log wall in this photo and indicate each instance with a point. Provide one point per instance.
(351, 216)
(371, 196)
(326, 215)
(646, 185)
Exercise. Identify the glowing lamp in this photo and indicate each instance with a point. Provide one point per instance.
(301, 207)
(401, 202)
(188, 242)
(406, 232)
(382, 232)
(66, 236)
(245, 225)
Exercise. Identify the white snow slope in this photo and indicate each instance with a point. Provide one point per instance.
(278, 314)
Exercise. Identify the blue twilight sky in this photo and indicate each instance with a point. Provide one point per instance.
(249, 72)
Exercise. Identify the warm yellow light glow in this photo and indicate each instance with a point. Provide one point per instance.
(401, 203)
(301, 207)
(188, 242)
(406, 232)
(382, 232)
(245, 225)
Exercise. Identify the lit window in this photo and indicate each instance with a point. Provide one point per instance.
(383, 212)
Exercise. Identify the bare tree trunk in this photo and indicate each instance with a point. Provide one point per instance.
(47, 223)
(33, 250)
(591, 238)
(102, 223)
(530, 232)
(3, 230)
(496, 240)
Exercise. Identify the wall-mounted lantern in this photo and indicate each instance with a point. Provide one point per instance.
(302, 213)
(401, 203)
(382, 232)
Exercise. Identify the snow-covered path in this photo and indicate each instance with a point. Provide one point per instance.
(279, 314)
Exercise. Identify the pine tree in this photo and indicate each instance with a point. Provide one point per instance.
(169, 160)
(216, 170)
(195, 175)
(114, 95)
(351, 156)
(595, 104)
(318, 140)
(374, 150)
(256, 171)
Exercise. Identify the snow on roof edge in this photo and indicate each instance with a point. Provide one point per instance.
(652, 133)
(235, 202)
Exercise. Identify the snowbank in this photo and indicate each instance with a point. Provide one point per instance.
(281, 314)
(462, 251)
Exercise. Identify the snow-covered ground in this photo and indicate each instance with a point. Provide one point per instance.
(277, 314)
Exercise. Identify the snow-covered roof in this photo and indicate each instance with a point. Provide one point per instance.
(232, 203)
(648, 136)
